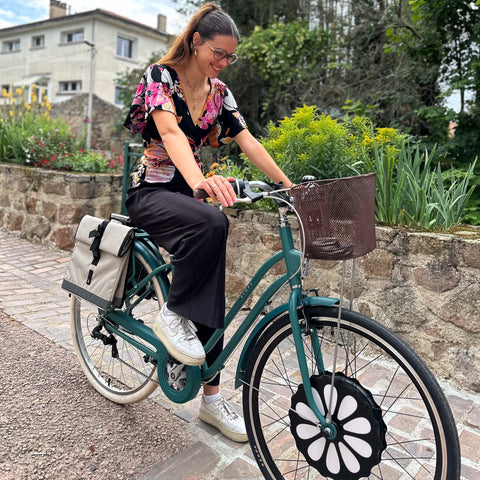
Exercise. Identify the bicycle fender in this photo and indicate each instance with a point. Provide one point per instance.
(263, 324)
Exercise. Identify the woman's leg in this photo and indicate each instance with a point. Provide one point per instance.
(196, 234)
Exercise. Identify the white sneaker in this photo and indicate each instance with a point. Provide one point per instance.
(221, 415)
(178, 336)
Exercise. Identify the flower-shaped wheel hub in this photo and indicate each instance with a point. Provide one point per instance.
(360, 431)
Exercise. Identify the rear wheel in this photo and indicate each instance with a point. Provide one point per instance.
(117, 369)
(391, 418)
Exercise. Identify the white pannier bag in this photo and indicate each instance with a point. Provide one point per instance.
(98, 267)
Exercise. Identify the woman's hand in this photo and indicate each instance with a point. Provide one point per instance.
(219, 189)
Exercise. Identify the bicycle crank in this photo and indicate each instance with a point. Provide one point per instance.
(360, 431)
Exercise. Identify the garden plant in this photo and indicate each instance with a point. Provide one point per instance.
(29, 136)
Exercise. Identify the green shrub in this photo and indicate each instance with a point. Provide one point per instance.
(28, 136)
(310, 143)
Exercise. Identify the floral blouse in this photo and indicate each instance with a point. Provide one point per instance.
(160, 88)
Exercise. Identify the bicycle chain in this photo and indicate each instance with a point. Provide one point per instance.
(138, 371)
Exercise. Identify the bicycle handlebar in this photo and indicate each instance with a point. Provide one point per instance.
(243, 190)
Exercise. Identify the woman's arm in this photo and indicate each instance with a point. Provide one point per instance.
(179, 151)
(257, 154)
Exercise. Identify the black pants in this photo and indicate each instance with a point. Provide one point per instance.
(196, 234)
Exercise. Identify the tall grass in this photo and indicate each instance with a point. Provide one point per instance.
(411, 193)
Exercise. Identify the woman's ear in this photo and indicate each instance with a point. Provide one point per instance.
(196, 40)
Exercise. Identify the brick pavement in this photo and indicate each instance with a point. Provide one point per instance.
(30, 292)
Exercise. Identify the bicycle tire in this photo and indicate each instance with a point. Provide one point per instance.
(391, 385)
(126, 377)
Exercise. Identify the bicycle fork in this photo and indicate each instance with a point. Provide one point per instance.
(328, 428)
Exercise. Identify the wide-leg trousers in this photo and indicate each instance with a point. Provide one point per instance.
(196, 234)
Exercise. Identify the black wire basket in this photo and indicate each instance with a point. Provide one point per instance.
(338, 216)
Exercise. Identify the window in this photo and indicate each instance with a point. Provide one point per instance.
(11, 46)
(125, 47)
(74, 36)
(71, 86)
(38, 41)
(118, 100)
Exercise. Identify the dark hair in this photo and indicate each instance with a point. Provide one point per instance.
(209, 22)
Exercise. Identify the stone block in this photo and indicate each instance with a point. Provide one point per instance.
(49, 210)
(63, 237)
(54, 188)
(36, 227)
(378, 263)
(13, 222)
(437, 277)
(31, 204)
(470, 252)
(82, 190)
(72, 214)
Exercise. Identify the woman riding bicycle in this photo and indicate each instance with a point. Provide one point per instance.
(180, 105)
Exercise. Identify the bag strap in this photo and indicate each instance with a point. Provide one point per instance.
(95, 246)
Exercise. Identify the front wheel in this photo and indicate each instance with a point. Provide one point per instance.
(391, 418)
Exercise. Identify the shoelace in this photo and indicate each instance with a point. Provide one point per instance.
(188, 328)
(228, 409)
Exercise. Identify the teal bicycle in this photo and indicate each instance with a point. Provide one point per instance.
(328, 393)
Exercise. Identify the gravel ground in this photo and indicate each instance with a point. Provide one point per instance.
(54, 425)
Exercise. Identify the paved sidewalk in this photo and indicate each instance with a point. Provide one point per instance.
(30, 292)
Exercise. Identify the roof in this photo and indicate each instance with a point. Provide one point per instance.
(97, 12)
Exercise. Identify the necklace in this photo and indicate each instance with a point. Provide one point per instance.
(195, 91)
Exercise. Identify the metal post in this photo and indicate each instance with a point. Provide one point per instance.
(90, 95)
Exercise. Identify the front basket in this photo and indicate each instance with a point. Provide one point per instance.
(338, 216)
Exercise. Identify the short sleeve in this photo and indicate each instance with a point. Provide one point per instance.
(154, 92)
(228, 124)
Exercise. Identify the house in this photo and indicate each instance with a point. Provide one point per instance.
(57, 54)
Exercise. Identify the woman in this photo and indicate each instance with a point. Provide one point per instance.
(180, 105)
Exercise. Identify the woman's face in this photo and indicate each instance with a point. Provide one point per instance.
(210, 53)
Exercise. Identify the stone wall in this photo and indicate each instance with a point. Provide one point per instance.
(46, 206)
(424, 286)
(104, 118)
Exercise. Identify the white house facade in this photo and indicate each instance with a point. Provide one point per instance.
(80, 53)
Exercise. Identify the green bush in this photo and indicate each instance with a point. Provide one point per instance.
(28, 136)
(310, 143)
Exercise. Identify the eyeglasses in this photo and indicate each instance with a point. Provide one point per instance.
(220, 54)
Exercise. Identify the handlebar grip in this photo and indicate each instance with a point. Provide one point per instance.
(238, 187)
(200, 194)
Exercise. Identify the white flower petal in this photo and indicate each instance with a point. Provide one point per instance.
(315, 450)
(359, 446)
(347, 407)
(348, 458)
(327, 392)
(333, 462)
(358, 425)
(306, 431)
(318, 401)
(306, 412)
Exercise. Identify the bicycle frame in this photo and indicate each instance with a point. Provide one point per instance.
(292, 258)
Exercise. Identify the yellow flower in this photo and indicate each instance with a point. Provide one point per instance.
(214, 166)
(4, 92)
(10, 113)
(209, 174)
(10, 94)
(34, 98)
